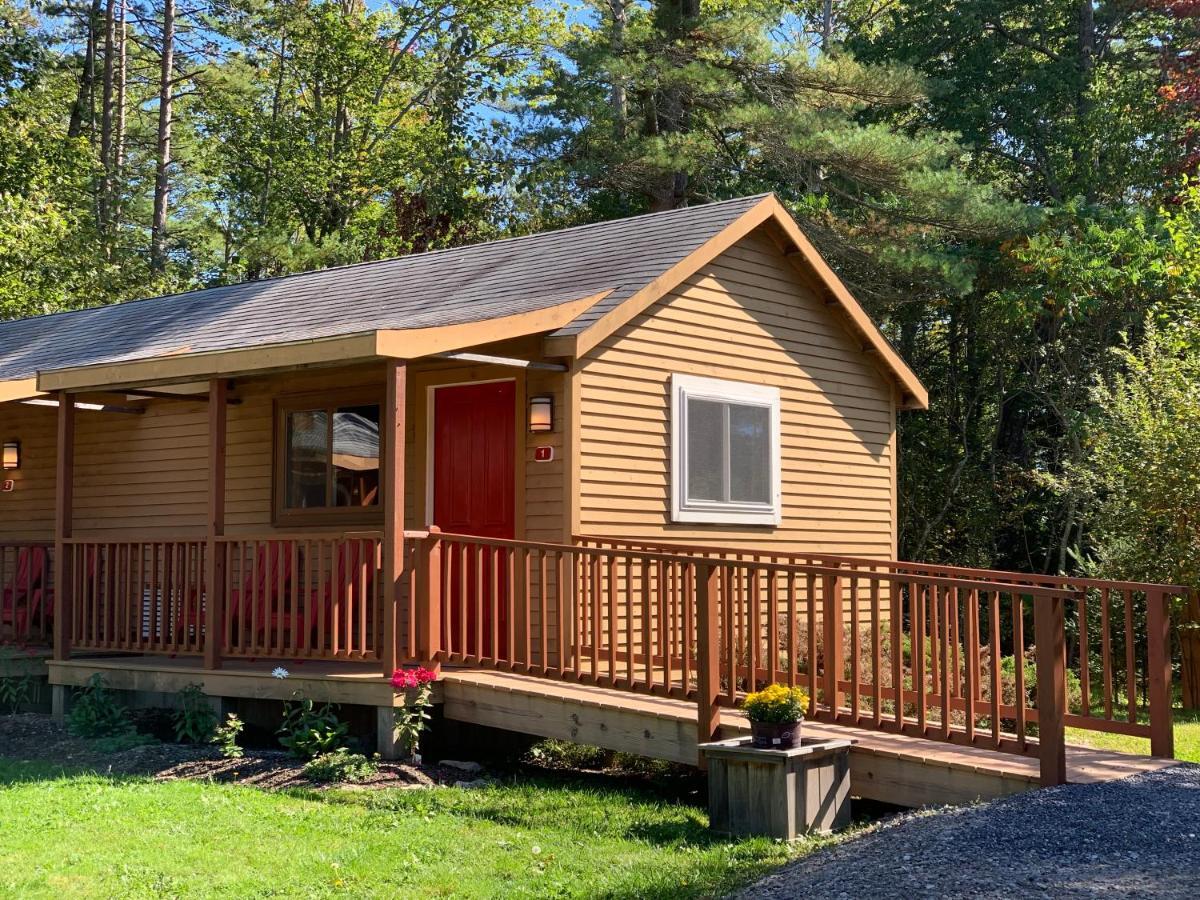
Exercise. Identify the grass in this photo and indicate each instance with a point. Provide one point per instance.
(83, 835)
(1187, 738)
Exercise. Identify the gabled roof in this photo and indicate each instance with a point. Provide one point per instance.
(571, 283)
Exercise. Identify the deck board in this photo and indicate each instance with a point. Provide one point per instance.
(902, 769)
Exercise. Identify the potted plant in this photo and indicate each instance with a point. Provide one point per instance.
(775, 715)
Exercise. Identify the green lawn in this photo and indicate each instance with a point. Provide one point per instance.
(1187, 738)
(88, 836)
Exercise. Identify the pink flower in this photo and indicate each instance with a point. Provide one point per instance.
(404, 679)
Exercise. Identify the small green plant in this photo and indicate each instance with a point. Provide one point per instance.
(413, 717)
(226, 737)
(308, 729)
(194, 719)
(776, 704)
(96, 712)
(340, 766)
(16, 680)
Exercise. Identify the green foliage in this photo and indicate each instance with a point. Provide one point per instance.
(413, 718)
(309, 729)
(226, 735)
(340, 766)
(194, 719)
(96, 712)
(17, 680)
(649, 110)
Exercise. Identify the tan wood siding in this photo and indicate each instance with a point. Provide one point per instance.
(748, 316)
(27, 512)
(147, 473)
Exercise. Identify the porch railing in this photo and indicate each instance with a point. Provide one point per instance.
(1116, 637)
(973, 657)
(276, 595)
(26, 609)
(978, 659)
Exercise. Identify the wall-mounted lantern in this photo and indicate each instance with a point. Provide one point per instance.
(541, 414)
(11, 458)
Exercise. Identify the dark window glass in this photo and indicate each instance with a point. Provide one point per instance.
(307, 458)
(728, 452)
(356, 456)
(332, 457)
(749, 454)
(705, 450)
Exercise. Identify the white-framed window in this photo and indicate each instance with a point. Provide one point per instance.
(724, 452)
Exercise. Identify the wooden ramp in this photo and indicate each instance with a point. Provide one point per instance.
(906, 771)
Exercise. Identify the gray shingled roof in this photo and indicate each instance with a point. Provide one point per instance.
(445, 287)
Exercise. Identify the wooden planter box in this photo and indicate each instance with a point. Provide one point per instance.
(778, 793)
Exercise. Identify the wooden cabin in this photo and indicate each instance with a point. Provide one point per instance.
(524, 454)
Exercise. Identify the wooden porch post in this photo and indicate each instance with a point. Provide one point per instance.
(1158, 674)
(708, 660)
(1049, 628)
(214, 611)
(833, 618)
(393, 511)
(64, 506)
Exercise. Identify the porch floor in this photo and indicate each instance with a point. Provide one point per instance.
(900, 769)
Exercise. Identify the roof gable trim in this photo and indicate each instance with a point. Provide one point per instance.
(769, 209)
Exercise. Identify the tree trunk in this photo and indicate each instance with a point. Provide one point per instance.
(107, 144)
(616, 45)
(162, 184)
(1083, 156)
(675, 19)
(82, 110)
(119, 149)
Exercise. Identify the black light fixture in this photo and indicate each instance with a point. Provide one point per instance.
(11, 458)
(541, 414)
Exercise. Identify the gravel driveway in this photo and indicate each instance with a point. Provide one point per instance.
(1138, 837)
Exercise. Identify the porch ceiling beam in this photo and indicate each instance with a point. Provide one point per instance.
(89, 407)
(167, 395)
(504, 361)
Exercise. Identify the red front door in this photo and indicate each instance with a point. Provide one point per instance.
(474, 465)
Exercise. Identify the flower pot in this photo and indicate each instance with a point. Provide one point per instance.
(775, 735)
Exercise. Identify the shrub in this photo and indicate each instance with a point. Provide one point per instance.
(16, 680)
(340, 766)
(194, 720)
(309, 730)
(776, 703)
(226, 737)
(96, 712)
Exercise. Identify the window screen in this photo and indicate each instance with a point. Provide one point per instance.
(726, 451)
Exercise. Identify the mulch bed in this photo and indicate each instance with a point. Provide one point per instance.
(31, 736)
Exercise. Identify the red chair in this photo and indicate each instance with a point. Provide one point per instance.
(21, 598)
(350, 578)
(44, 595)
(264, 589)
